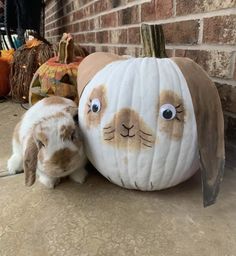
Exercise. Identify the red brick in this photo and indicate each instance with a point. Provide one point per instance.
(80, 38)
(117, 3)
(102, 37)
(90, 37)
(91, 24)
(129, 16)
(70, 7)
(134, 35)
(197, 6)
(88, 10)
(228, 97)
(47, 34)
(84, 26)
(147, 11)
(97, 23)
(230, 131)
(90, 49)
(109, 20)
(78, 15)
(76, 27)
(157, 9)
(234, 77)
(112, 49)
(121, 50)
(118, 36)
(138, 51)
(105, 48)
(101, 6)
(164, 9)
(220, 29)
(215, 63)
(184, 32)
(169, 53)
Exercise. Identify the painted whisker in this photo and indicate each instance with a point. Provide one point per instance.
(148, 134)
(110, 138)
(177, 119)
(109, 132)
(146, 145)
(105, 128)
(145, 139)
(178, 105)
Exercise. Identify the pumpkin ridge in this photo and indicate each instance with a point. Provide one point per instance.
(181, 141)
(156, 127)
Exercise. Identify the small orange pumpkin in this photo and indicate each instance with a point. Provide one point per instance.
(58, 76)
(4, 77)
(6, 57)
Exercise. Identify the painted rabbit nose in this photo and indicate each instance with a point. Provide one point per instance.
(128, 128)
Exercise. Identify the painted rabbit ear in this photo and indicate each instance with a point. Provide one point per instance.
(210, 127)
(30, 162)
(91, 65)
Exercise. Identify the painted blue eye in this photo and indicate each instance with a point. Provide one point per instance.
(167, 112)
(95, 105)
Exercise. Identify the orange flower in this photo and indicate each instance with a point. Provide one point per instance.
(7, 55)
(33, 42)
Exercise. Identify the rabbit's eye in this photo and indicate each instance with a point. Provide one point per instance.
(40, 144)
(95, 105)
(167, 111)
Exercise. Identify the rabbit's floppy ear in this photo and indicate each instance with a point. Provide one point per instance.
(30, 161)
(210, 126)
(91, 65)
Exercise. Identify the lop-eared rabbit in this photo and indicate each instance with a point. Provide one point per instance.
(47, 141)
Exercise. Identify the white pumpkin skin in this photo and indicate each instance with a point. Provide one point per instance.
(135, 87)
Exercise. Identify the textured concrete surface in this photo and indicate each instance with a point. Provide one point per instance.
(10, 114)
(100, 218)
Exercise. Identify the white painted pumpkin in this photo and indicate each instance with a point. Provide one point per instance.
(137, 118)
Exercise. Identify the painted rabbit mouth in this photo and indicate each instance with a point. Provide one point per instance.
(127, 135)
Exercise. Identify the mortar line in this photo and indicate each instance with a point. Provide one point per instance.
(233, 65)
(174, 8)
(224, 81)
(200, 36)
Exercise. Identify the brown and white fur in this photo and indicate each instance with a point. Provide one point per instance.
(47, 142)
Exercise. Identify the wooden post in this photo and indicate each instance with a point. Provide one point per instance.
(153, 41)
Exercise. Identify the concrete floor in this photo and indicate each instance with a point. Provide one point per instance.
(99, 218)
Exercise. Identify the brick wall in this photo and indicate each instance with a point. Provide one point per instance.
(203, 30)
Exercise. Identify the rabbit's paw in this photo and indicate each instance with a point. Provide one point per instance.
(79, 175)
(48, 182)
(14, 164)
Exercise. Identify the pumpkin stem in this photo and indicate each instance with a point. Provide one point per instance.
(66, 49)
(153, 41)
